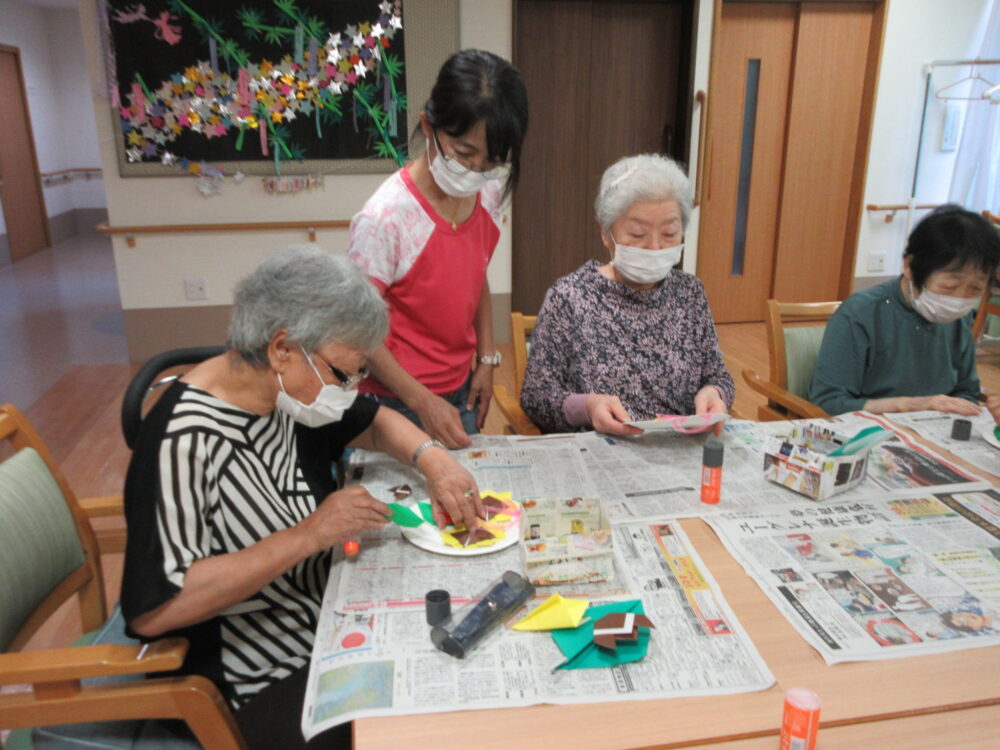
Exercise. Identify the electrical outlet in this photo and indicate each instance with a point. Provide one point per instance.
(195, 289)
(876, 263)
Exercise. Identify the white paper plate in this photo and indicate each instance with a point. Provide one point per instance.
(428, 537)
(989, 437)
(688, 426)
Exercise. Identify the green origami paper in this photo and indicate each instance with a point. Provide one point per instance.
(427, 512)
(577, 644)
(403, 516)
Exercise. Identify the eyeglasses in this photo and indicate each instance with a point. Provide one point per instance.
(347, 382)
(493, 171)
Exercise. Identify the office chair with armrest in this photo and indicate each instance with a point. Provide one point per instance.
(518, 423)
(111, 539)
(792, 352)
(48, 554)
(142, 384)
(991, 297)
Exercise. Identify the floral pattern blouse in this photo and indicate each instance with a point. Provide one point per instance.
(653, 349)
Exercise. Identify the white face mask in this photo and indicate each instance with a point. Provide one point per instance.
(454, 179)
(941, 308)
(329, 405)
(641, 266)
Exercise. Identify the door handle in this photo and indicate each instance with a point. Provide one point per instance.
(702, 98)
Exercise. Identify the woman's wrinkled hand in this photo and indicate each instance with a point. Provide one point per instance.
(948, 404)
(480, 393)
(709, 401)
(343, 515)
(442, 421)
(993, 404)
(607, 415)
(452, 489)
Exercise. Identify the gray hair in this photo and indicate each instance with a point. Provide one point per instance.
(646, 177)
(319, 298)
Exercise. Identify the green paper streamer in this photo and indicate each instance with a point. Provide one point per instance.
(299, 39)
(145, 89)
(239, 138)
(403, 516)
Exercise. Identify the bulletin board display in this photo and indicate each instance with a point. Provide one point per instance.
(271, 86)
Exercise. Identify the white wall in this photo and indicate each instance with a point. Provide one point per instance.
(917, 32)
(488, 25)
(72, 86)
(62, 116)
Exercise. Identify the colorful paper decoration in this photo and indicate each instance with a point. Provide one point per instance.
(199, 77)
(292, 184)
(582, 652)
(554, 613)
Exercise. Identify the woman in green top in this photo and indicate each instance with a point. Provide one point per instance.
(906, 345)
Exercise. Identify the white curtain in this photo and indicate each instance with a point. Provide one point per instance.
(975, 183)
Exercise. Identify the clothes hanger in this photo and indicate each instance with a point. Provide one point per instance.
(974, 95)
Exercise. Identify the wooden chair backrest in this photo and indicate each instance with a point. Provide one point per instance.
(521, 327)
(780, 313)
(88, 579)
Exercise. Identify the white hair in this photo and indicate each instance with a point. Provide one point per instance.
(646, 177)
(319, 298)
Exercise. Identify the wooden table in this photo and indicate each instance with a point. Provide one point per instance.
(940, 700)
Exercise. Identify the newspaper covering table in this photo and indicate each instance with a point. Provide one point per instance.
(657, 476)
(936, 427)
(373, 655)
(879, 578)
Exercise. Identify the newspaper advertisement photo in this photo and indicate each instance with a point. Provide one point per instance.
(378, 659)
(878, 579)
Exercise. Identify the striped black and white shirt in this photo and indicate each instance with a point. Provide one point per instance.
(206, 479)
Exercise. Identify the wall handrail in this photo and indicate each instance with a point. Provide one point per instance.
(892, 208)
(65, 175)
(239, 226)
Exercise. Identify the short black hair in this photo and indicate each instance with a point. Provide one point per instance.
(951, 238)
(474, 85)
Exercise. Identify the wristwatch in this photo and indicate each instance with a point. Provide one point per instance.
(424, 446)
(493, 359)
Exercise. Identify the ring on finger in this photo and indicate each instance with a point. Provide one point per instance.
(468, 493)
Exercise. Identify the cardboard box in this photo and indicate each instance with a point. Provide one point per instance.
(566, 541)
(802, 462)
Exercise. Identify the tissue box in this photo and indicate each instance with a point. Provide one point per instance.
(801, 462)
(566, 541)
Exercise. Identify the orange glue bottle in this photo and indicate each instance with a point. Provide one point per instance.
(711, 470)
(800, 722)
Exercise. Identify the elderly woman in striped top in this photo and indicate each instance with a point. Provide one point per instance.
(231, 506)
(631, 338)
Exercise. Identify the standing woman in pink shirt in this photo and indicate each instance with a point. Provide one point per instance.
(425, 239)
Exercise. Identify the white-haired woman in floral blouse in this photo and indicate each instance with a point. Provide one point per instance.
(632, 338)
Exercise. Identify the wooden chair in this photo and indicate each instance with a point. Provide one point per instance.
(518, 423)
(792, 352)
(48, 554)
(991, 297)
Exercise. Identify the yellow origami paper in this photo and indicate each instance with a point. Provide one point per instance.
(555, 613)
